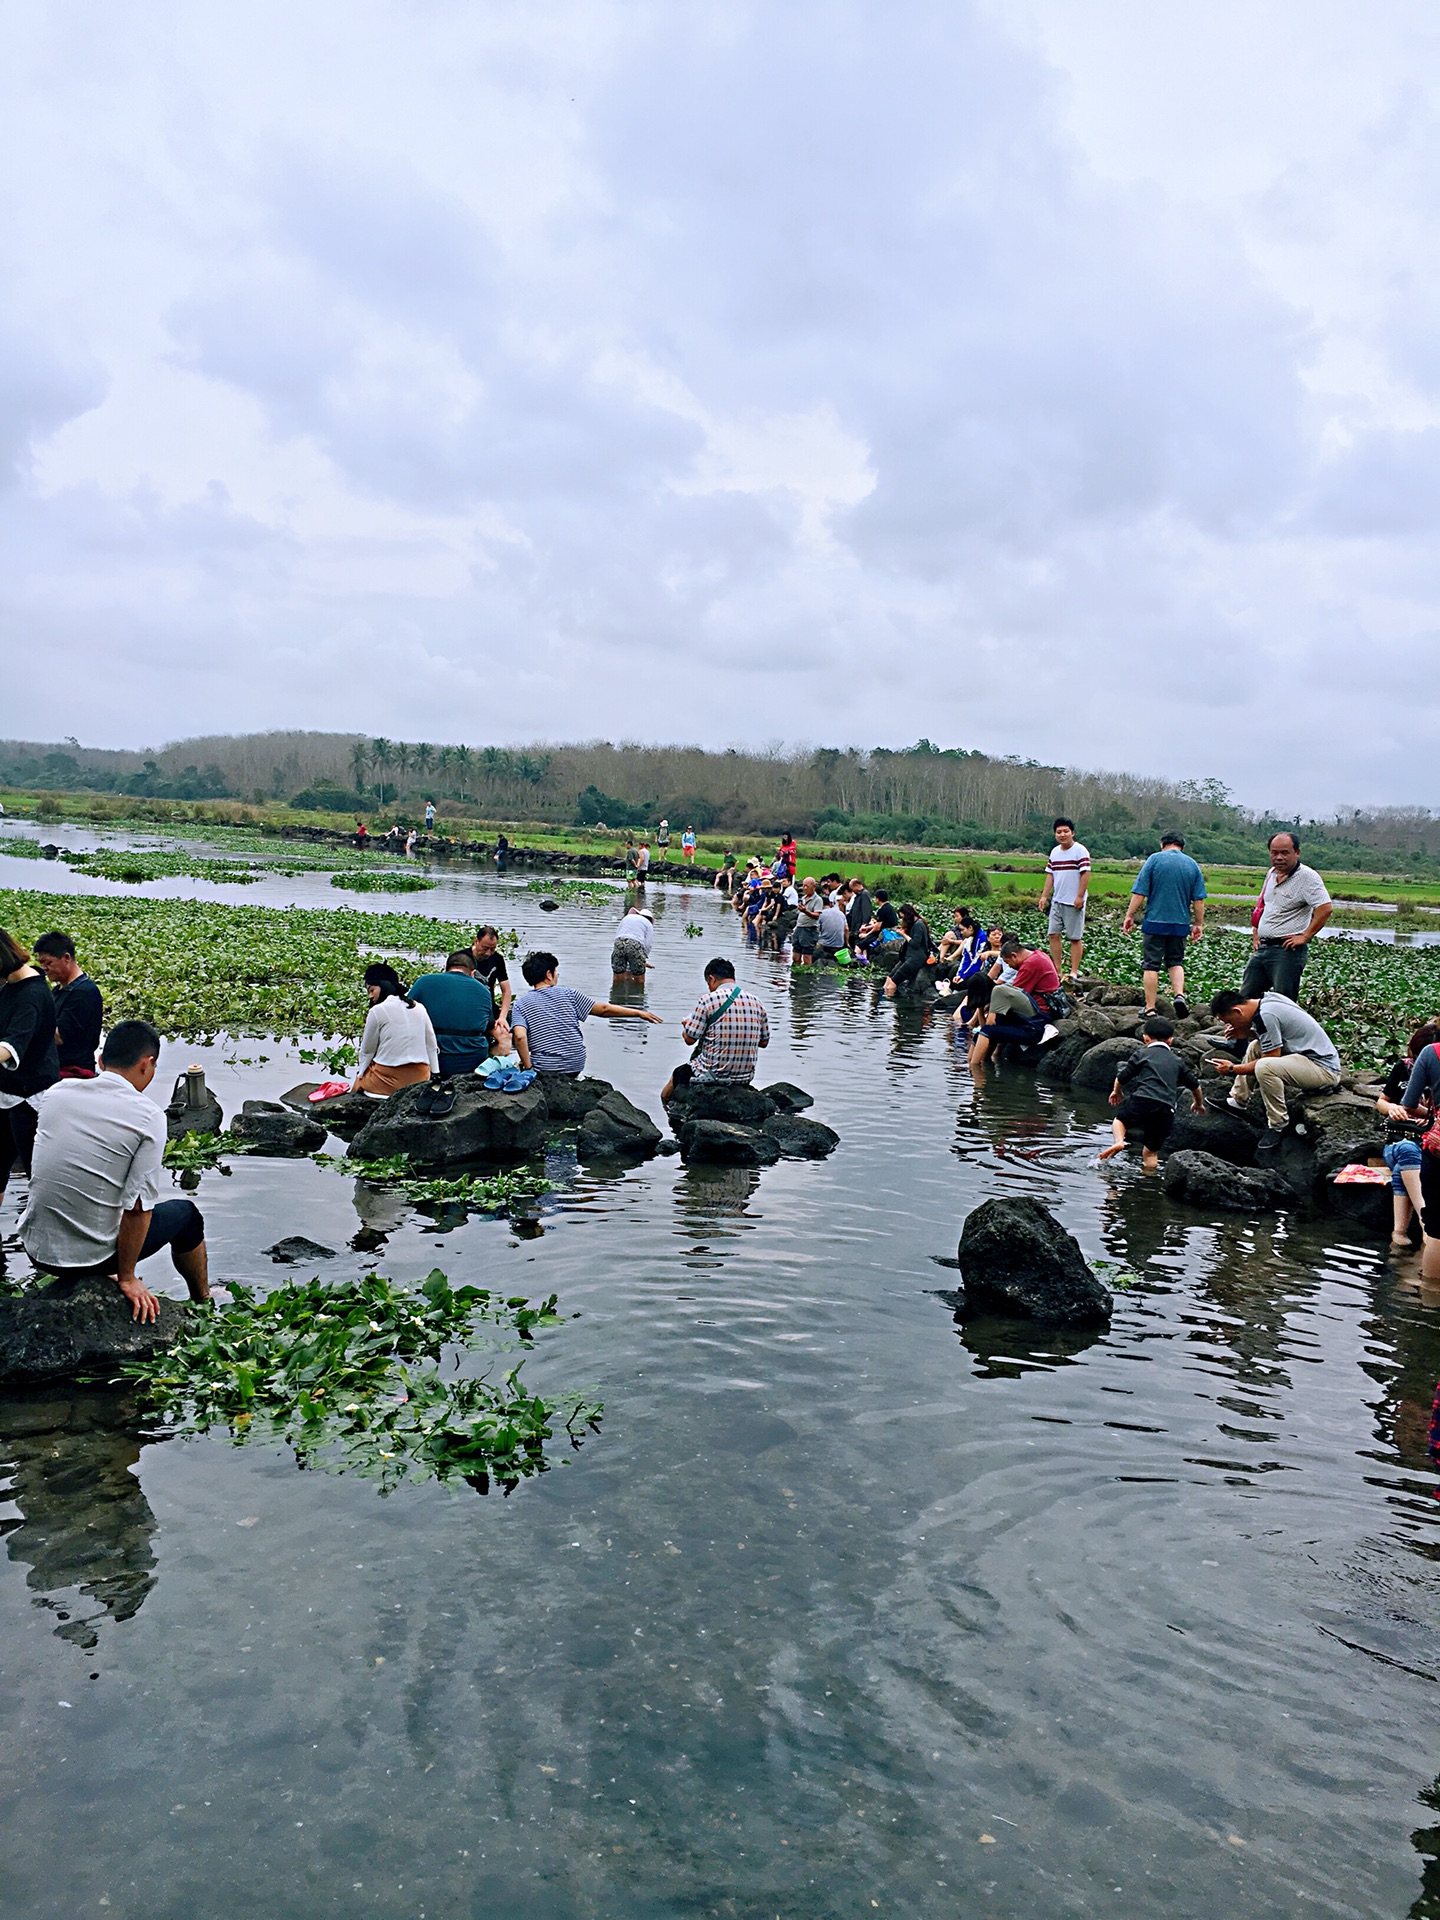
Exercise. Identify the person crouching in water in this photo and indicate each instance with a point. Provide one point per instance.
(1146, 1090)
(398, 1047)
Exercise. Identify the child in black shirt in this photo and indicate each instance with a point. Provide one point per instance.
(1147, 1087)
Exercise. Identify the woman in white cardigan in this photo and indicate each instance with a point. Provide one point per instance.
(397, 1048)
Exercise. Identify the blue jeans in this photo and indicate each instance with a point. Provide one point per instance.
(1400, 1156)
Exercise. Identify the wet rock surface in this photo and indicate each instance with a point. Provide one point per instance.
(78, 1329)
(296, 1247)
(1204, 1180)
(730, 1125)
(481, 1126)
(267, 1126)
(345, 1114)
(570, 1096)
(799, 1138)
(723, 1143)
(615, 1128)
(1018, 1262)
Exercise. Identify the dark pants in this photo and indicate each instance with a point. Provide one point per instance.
(177, 1224)
(1430, 1194)
(1151, 1119)
(1275, 966)
(17, 1137)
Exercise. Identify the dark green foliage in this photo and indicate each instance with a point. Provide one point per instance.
(349, 1377)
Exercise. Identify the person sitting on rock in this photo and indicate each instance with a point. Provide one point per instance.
(1019, 1011)
(398, 1047)
(1420, 1102)
(1146, 1091)
(547, 1017)
(1402, 1154)
(79, 1009)
(1287, 1048)
(94, 1205)
(461, 1011)
(630, 953)
(832, 931)
(918, 960)
(727, 1030)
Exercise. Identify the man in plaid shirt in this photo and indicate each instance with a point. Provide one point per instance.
(730, 1025)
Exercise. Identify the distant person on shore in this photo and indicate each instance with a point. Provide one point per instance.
(547, 1018)
(362, 835)
(398, 1047)
(1146, 1091)
(1020, 1010)
(429, 816)
(461, 1010)
(29, 1062)
(725, 878)
(410, 839)
(79, 1009)
(662, 839)
(727, 1030)
(1172, 889)
(1294, 906)
(490, 967)
(502, 851)
(630, 953)
(94, 1204)
(1067, 883)
(1287, 1049)
(787, 857)
(687, 846)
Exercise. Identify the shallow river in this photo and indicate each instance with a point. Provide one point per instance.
(844, 1611)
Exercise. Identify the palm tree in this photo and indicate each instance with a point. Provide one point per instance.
(382, 753)
(464, 759)
(424, 755)
(402, 761)
(360, 762)
(443, 761)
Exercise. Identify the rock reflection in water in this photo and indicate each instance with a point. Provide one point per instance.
(84, 1522)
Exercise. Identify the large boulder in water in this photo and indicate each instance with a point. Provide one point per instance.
(1219, 1131)
(1205, 1181)
(616, 1129)
(799, 1138)
(725, 1144)
(78, 1329)
(1018, 1262)
(481, 1126)
(267, 1127)
(727, 1100)
(345, 1114)
(1096, 1069)
(570, 1096)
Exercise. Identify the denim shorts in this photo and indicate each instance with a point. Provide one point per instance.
(1400, 1156)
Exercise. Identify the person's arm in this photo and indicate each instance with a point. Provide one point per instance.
(432, 1050)
(1187, 1077)
(522, 1045)
(370, 1040)
(1238, 1067)
(134, 1226)
(1084, 886)
(608, 1012)
(692, 1028)
(1132, 912)
(1317, 920)
(1047, 889)
(1197, 918)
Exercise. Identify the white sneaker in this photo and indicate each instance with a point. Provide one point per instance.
(1052, 1032)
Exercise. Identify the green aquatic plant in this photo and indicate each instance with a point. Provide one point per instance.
(577, 889)
(136, 865)
(197, 1152)
(348, 1375)
(481, 1193)
(382, 882)
(692, 932)
(21, 849)
(1118, 1278)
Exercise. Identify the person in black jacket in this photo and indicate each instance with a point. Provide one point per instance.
(916, 958)
(79, 1010)
(29, 1062)
(1147, 1090)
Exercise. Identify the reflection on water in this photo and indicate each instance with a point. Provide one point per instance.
(83, 1522)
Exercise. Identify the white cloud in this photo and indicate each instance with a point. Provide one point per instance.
(1056, 379)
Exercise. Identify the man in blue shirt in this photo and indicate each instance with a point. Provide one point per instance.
(461, 1011)
(1171, 888)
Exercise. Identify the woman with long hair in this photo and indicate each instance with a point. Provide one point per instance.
(398, 1047)
(918, 954)
(29, 1061)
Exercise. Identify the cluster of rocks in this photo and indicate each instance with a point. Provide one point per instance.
(581, 865)
(1210, 1157)
(78, 1329)
(747, 1126)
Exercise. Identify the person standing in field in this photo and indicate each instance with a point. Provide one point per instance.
(1067, 882)
(662, 839)
(79, 1010)
(1172, 889)
(429, 816)
(1294, 906)
(687, 846)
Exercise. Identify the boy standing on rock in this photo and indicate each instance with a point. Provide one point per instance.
(1153, 1078)
(1067, 881)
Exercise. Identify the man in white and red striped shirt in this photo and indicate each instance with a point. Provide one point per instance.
(1067, 881)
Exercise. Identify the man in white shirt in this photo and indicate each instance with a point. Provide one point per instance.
(1067, 881)
(1295, 905)
(95, 1202)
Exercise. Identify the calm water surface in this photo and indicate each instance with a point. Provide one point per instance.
(843, 1612)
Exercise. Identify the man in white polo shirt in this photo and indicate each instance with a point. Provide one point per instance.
(95, 1204)
(1067, 881)
(1294, 906)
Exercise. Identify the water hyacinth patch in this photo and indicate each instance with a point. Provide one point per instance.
(480, 1193)
(349, 1377)
(382, 882)
(578, 889)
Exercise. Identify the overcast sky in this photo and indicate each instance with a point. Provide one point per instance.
(1059, 377)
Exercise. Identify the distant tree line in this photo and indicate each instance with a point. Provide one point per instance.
(922, 795)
